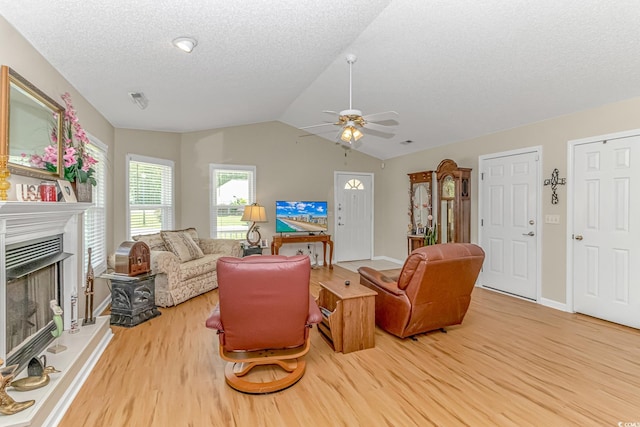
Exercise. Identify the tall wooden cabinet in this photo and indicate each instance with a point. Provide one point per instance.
(420, 208)
(454, 202)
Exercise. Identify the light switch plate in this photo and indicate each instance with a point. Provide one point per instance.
(552, 219)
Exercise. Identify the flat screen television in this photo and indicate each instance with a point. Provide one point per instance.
(301, 216)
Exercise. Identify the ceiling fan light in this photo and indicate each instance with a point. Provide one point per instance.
(346, 134)
(357, 134)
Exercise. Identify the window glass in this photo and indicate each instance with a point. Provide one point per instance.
(232, 188)
(150, 195)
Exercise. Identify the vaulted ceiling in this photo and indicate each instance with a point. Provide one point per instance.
(452, 69)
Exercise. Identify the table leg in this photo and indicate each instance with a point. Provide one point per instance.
(275, 248)
(324, 252)
(330, 254)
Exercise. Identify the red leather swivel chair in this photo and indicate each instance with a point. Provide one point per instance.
(432, 291)
(263, 317)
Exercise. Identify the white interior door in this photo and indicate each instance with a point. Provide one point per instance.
(353, 238)
(509, 222)
(606, 236)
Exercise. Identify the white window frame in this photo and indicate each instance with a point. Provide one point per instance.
(213, 169)
(97, 243)
(156, 161)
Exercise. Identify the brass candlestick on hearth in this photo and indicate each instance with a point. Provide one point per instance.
(88, 295)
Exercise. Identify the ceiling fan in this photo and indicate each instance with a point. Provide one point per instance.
(353, 123)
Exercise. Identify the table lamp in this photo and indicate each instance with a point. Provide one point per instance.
(254, 213)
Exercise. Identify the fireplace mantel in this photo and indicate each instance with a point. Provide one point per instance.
(21, 221)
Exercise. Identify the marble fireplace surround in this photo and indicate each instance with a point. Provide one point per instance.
(24, 221)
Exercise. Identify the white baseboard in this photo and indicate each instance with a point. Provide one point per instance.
(102, 307)
(386, 258)
(554, 304)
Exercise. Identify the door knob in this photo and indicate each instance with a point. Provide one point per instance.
(531, 233)
(578, 237)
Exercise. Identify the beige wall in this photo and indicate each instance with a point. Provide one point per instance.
(159, 145)
(552, 135)
(291, 167)
(18, 54)
(288, 167)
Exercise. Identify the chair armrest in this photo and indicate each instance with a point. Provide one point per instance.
(227, 247)
(379, 280)
(315, 316)
(213, 322)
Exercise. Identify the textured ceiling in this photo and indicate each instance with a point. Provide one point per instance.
(452, 69)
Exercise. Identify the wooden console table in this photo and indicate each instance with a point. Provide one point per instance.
(278, 241)
(348, 315)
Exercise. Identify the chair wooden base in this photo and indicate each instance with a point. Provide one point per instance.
(241, 362)
(235, 371)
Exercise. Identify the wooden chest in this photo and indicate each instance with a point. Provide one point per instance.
(133, 258)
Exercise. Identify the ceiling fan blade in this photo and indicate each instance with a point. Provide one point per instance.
(377, 117)
(379, 128)
(333, 113)
(317, 126)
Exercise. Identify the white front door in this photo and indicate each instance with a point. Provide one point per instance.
(509, 222)
(606, 230)
(353, 216)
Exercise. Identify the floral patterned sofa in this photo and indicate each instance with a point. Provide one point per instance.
(185, 264)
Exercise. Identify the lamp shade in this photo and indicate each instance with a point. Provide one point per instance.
(254, 213)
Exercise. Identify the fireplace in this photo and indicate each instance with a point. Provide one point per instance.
(34, 278)
(54, 233)
(41, 242)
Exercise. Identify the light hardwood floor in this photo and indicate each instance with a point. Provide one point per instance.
(511, 363)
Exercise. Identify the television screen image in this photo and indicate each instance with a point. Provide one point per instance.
(294, 217)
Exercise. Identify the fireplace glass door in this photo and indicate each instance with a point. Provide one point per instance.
(28, 308)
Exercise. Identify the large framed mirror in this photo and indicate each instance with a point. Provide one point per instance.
(31, 126)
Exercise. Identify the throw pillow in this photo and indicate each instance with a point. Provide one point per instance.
(182, 245)
(154, 241)
(193, 233)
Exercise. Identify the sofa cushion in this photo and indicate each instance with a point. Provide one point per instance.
(198, 267)
(182, 245)
(154, 241)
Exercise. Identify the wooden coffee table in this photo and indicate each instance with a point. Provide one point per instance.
(348, 313)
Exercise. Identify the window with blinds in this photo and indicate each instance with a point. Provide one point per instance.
(232, 188)
(150, 195)
(95, 218)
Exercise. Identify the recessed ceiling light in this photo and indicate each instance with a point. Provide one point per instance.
(185, 44)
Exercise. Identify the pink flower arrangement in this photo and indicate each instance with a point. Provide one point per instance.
(77, 162)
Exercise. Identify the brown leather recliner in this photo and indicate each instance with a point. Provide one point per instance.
(263, 317)
(433, 290)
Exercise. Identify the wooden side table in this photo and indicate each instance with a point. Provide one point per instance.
(348, 313)
(133, 299)
(414, 242)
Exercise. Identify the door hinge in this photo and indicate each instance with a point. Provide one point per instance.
(481, 176)
(481, 222)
